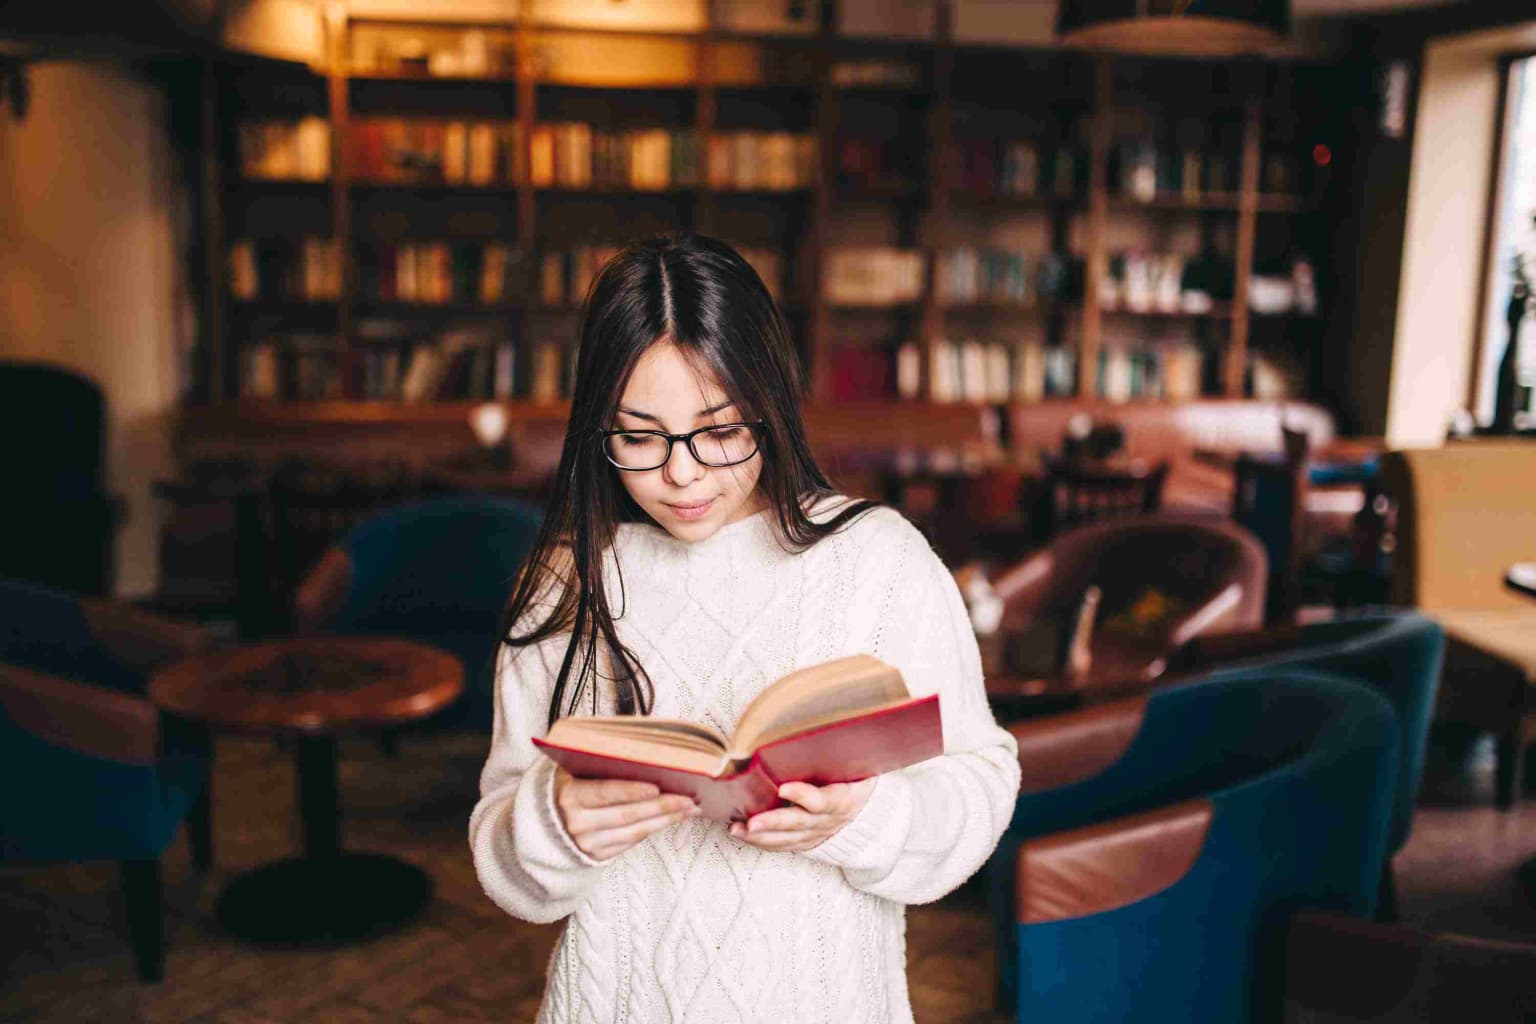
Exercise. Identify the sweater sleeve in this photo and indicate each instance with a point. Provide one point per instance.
(929, 827)
(526, 862)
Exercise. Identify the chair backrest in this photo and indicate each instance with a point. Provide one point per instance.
(1464, 515)
(101, 642)
(439, 571)
(1269, 792)
(61, 414)
(1195, 561)
(1078, 493)
(1397, 654)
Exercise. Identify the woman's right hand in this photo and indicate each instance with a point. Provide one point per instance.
(605, 817)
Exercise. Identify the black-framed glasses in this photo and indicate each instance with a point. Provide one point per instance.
(724, 444)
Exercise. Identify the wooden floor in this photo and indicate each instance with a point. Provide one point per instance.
(64, 954)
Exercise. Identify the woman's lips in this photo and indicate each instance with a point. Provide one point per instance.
(691, 511)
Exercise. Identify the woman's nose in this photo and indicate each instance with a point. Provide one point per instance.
(681, 468)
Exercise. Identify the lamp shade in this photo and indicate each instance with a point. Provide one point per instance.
(1204, 28)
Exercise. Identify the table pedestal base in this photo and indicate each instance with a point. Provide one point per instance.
(323, 901)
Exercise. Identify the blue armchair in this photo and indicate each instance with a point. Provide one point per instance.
(437, 571)
(1397, 654)
(1159, 842)
(106, 777)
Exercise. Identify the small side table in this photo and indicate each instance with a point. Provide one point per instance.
(313, 690)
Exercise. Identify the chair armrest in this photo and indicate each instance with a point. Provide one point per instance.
(1108, 865)
(141, 640)
(322, 593)
(77, 716)
(1059, 750)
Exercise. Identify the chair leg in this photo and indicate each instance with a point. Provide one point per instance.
(1386, 901)
(200, 828)
(1509, 769)
(146, 922)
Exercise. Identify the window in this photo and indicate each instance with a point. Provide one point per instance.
(1514, 232)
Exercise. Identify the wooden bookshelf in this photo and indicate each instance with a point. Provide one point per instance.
(714, 83)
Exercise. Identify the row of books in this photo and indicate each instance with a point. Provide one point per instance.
(577, 155)
(1165, 282)
(968, 274)
(285, 150)
(302, 270)
(574, 155)
(435, 273)
(873, 275)
(971, 370)
(456, 364)
(968, 370)
(565, 276)
(298, 366)
(401, 150)
(1018, 168)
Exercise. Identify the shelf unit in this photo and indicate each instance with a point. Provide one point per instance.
(923, 208)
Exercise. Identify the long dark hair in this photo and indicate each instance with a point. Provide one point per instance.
(699, 294)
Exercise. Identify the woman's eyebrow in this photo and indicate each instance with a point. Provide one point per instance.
(647, 416)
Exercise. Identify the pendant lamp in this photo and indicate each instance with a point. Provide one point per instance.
(1196, 28)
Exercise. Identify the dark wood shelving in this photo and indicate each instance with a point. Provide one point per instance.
(1079, 105)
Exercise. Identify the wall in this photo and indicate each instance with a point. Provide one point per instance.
(1445, 240)
(88, 275)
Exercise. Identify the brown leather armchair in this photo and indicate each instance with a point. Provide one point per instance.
(1164, 580)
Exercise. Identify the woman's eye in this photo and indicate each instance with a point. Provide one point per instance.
(724, 433)
(635, 440)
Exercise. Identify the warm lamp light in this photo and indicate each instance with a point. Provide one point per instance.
(489, 423)
(1196, 28)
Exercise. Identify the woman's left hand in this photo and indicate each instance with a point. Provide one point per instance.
(817, 814)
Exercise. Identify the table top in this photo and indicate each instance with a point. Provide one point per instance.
(310, 685)
(1522, 577)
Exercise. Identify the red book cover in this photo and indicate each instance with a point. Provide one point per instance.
(845, 751)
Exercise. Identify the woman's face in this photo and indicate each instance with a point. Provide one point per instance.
(686, 498)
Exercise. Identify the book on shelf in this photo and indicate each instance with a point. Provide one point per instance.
(306, 270)
(285, 150)
(436, 272)
(860, 372)
(416, 150)
(546, 374)
(875, 275)
(840, 721)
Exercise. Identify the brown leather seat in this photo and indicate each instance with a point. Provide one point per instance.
(1203, 576)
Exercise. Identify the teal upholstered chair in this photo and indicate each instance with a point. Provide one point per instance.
(1159, 842)
(1398, 654)
(94, 772)
(437, 571)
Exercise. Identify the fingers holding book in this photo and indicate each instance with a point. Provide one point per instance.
(605, 817)
(816, 814)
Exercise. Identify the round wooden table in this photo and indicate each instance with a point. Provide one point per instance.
(313, 690)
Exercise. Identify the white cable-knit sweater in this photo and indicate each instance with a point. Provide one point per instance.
(692, 925)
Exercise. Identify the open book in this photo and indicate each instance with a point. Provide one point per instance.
(840, 721)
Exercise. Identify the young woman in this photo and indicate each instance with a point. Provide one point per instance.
(692, 554)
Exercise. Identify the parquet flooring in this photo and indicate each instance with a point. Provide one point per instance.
(64, 952)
